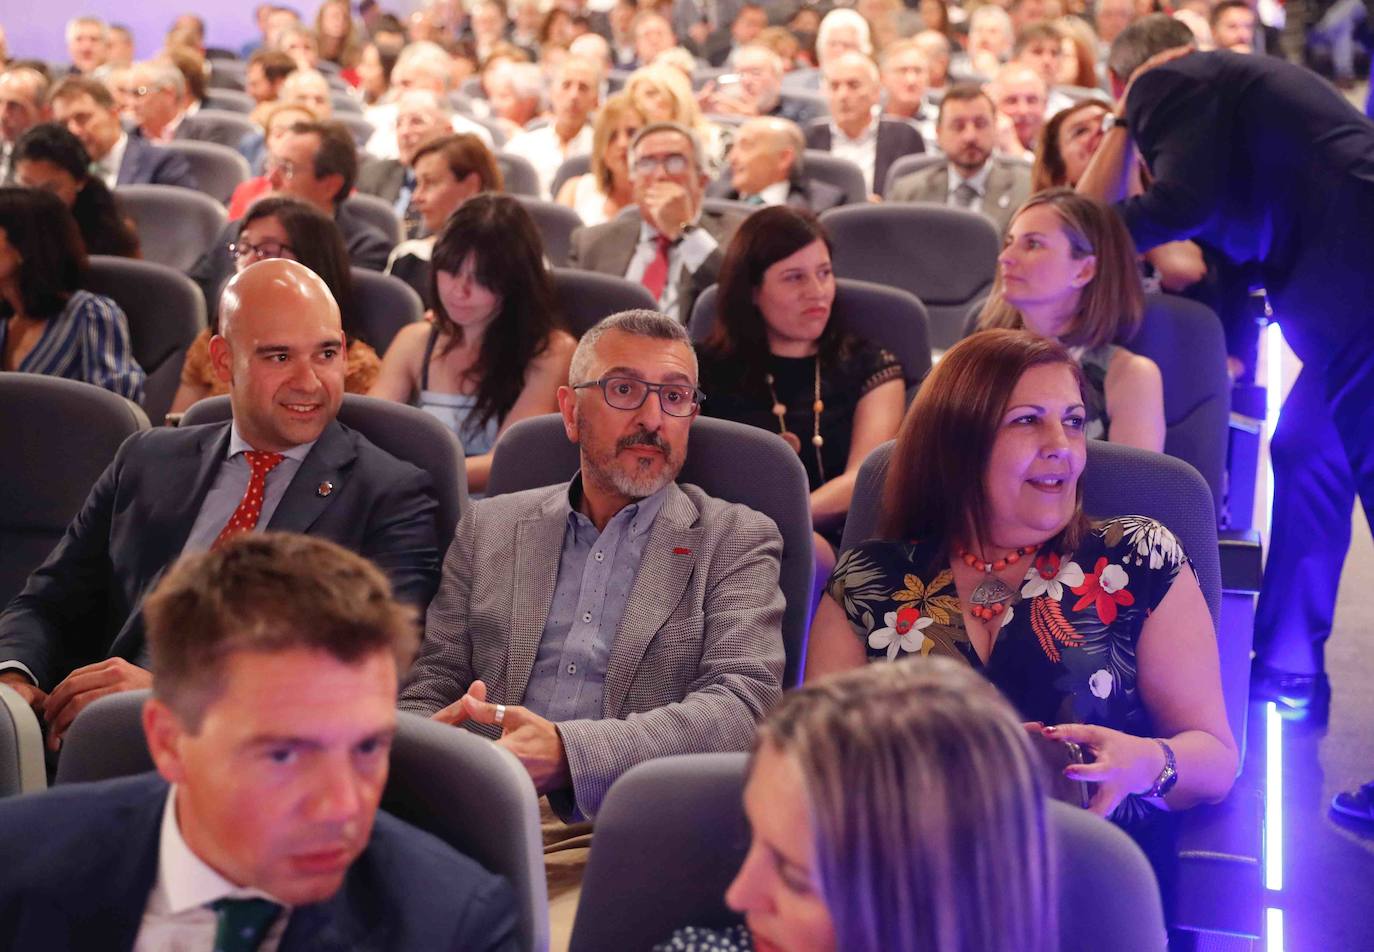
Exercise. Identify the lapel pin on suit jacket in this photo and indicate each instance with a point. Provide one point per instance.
(324, 489)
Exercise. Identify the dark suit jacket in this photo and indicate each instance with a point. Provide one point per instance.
(82, 859)
(382, 177)
(147, 164)
(896, 138)
(367, 248)
(609, 247)
(807, 194)
(83, 603)
(1266, 163)
(1008, 186)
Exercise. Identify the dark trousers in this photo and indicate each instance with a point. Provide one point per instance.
(1323, 457)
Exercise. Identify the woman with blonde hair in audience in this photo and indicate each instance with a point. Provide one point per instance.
(777, 361)
(448, 171)
(896, 808)
(494, 353)
(48, 324)
(663, 94)
(51, 158)
(283, 227)
(1068, 271)
(1096, 628)
(599, 195)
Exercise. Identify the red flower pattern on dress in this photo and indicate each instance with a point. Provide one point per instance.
(1105, 589)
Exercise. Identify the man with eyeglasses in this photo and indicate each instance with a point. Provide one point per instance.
(672, 246)
(87, 109)
(590, 626)
(316, 162)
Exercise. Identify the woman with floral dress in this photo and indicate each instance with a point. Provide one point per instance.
(1097, 630)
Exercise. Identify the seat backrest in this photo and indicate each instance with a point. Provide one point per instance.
(56, 437)
(1186, 340)
(230, 100)
(947, 257)
(815, 103)
(403, 431)
(360, 128)
(570, 168)
(378, 213)
(556, 223)
(671, 834)
(219, 169)
(889, 317)
(905, 165)
(175, 225)
(585, 297)
(722, 206)
(836, 171)
(382, 305)
(727, 460)
(166, 313)
(22, 765)
(519, 174)
(345, 104)
(454, 784)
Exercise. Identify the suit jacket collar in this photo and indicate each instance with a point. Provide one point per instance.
(112, 884)
(322, 475)
(193, 465)
(670, 556)
(1001, 183)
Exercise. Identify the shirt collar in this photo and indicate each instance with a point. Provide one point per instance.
(184, 879)
(237, 445)
(978, 181)
(868, 136)
(776, 194)
(641, 513)
(110, 164)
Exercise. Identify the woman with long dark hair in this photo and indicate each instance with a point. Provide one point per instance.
(777, 361)
(494, 353)
(48, 325)
(51, 158)
(282, 227)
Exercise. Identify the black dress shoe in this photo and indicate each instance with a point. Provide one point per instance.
(1299, 697)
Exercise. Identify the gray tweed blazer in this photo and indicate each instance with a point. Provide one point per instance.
(697, 659)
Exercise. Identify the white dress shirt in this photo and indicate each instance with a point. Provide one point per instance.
(684, 257)
(546, 152)
(775, 194)
(382, 144)
(108, 167)
(178, 917)
(862, 151)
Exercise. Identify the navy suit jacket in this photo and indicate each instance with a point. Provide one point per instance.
(81, 860)
(896, 138)
(1268, 164)
(83, 604)
(148, 164)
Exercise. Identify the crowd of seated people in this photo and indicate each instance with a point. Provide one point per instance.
(620, 616)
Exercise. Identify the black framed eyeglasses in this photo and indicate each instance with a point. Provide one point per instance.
(264, 249)
(629, 393)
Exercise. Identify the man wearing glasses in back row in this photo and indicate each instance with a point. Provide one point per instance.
(617, 618)
(671, 246)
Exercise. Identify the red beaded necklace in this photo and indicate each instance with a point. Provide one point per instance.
(990, 597)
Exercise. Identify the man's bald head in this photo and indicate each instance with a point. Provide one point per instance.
(280, 347)
(767, 150)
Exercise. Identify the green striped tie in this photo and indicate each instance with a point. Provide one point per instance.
(241, 924)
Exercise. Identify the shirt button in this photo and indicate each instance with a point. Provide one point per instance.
(587, 617)
(601, 556)
(572, 668)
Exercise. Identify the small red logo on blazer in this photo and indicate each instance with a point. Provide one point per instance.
(682, 551)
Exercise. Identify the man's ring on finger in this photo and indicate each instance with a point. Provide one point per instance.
(500, 714)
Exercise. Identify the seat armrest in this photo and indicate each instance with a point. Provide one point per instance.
(1220, 886)
(1242, 560)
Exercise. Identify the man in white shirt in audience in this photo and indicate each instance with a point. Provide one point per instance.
(970, 176)
(1020, 94)
(766, 167)
(855, 130)
(590, 626)
(671, 246)
(22, 106)
(905, 71)
(421, 65)
(88, 111)
(574, 96)
(275, 662)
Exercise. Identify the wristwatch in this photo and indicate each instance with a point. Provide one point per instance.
(1168, 776)
(1110, 121)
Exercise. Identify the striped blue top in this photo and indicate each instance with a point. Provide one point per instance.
(88, 341)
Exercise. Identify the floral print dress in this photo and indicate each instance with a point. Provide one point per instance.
(1066, 651)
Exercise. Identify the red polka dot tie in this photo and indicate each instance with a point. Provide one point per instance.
(245, 517)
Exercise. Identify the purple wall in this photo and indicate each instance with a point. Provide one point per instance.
(40, 35)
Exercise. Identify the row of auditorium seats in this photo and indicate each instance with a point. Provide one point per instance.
(1218, 846)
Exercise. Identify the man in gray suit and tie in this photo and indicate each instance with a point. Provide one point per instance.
(970, 176)
(596, 624)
